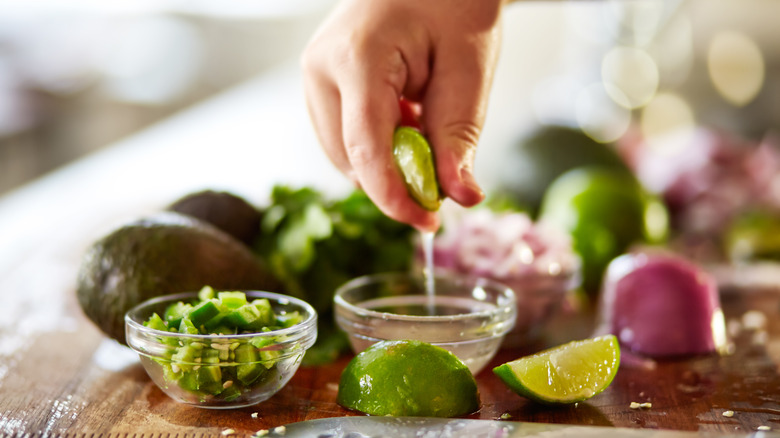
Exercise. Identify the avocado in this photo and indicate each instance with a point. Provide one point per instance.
(226, 211)
(162, 254)
(542, 155)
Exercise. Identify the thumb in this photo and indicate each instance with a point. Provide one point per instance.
(454, 110)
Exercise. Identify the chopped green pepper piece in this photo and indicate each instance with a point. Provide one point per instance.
(186, 326)
(261, 341)
(230, 393)
(189, 381)
(289, 319)
(206, 293)
(269, 357)
(184, 358)
(222, 330)
(265, 310)
(209, 373)
(156, 323)
(175, 312)
(232, 300)
(248, 317)
(248, 368)
(203, 312)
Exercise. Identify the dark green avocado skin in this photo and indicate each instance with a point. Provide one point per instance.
(546, 153)
(158, 255)
(226, 211)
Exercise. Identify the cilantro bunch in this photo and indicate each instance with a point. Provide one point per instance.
(313, 245)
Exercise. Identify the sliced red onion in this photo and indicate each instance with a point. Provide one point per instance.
(535, 259)
(504, 246)
(662, 305)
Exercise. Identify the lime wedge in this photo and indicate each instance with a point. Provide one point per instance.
(414, 158)
(408, 378)
(568, 373)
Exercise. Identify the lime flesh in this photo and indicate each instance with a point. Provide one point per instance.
(569, 373)
(414, 158)
(408, 378)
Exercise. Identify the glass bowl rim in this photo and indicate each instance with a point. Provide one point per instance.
(304, 327)
(509, 307)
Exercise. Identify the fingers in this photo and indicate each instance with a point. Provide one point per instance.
(366, 56)
(370, 114)
(455, 107)
(324, 104)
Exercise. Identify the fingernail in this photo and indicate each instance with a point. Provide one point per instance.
(467, 179)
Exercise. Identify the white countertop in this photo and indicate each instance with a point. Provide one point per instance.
(244, 141)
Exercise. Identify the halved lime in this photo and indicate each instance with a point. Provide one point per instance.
(568, 373)
(414, 158)
(408, 378)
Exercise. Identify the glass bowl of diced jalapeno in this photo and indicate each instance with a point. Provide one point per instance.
(221, 349)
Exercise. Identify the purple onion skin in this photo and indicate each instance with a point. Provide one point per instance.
(661, 305)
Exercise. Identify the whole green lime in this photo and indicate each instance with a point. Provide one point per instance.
(541, 155)
(753, 236)
(606, 212)
(408, 378)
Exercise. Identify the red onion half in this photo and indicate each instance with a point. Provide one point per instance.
(662, 305)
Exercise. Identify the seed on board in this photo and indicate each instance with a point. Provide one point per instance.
(634, 405)
(227, 432)
(728, 414)
(753, 320)
(763, 428)
(646, 405)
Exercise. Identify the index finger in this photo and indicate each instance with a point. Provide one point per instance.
(370, 114)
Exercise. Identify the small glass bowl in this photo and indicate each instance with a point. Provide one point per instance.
(468, 316)
(221, 371)
(539, 299)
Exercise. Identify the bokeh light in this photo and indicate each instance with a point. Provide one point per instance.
(736, 67)
(603, 114)
(639, 20)
(631, 71)
(667, 123)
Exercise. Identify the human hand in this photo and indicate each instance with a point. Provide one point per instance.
(368, 55)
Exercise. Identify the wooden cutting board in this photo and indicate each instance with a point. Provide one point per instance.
(60, 376)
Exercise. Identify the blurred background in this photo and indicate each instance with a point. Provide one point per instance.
(77, 75)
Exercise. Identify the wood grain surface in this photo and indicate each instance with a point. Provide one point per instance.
(69, 380)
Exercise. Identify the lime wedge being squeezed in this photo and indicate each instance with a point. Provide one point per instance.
(568, 373)
(414, 158)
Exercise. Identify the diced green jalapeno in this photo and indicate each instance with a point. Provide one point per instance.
(175, 312)
(249, 367)
(186, 326)
(203, 312)
(289, 319)
(206, 293)
(216, 368)
(156, 323)
(232, 300)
